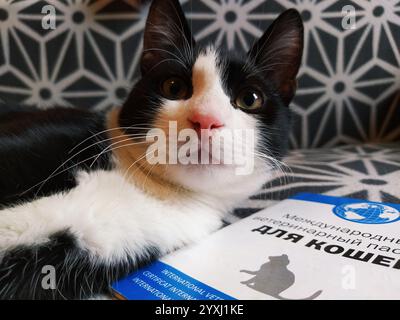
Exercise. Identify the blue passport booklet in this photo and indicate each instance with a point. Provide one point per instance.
(306, 247)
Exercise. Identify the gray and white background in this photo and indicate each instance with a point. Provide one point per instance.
(349, 85)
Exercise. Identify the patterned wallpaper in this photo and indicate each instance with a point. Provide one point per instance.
(349, 85)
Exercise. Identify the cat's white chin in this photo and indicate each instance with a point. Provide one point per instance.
(219, 180)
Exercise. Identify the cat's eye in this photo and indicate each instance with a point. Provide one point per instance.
(174, 89)
(249, 99)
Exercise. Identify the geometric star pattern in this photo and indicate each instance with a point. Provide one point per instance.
(89, 60)
(349, 83)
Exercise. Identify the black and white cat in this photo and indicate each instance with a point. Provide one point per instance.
(76, 192)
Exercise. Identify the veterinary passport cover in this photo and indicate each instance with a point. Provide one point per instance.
(306, 247)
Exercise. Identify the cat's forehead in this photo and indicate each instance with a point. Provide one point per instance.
(218, 61)
(216, 67)
(205, 64)
(207, 70)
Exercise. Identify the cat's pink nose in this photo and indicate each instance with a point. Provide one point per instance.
(205, 122)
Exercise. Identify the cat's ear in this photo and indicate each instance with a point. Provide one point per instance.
(166, 36)
(279, 51)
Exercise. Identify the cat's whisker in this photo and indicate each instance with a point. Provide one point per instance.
(131, 136)
(106, 131)
(282, 170)
(127, 170)
(110, 147)
(55, 173)
(276, 165)
(149, 171)
(90, 146)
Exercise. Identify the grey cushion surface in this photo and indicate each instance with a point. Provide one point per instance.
(369, 171)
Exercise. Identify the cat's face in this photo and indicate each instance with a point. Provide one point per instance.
(211, 91)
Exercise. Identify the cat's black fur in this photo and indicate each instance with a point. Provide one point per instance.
(78, 277)
(36, 145)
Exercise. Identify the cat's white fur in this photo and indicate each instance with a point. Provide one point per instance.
(112, 218)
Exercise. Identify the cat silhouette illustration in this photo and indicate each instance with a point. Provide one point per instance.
(273, 278)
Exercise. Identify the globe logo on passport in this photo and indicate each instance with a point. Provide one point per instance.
(367, 212)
